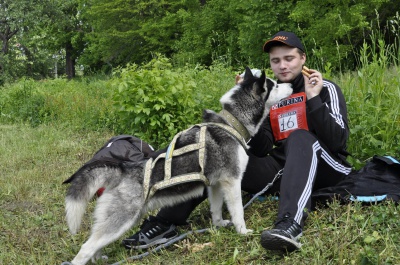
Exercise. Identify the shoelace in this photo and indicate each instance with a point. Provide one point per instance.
(283, 223)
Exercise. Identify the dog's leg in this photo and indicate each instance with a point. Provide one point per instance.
(233, 197)
(113, 217)
(216, 200)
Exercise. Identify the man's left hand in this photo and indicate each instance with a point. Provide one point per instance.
(313, 83)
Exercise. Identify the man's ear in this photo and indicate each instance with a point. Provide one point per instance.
(303, 58)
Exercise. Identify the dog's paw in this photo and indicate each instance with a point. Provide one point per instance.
(245, 231)
(98, 256)
(223, 223)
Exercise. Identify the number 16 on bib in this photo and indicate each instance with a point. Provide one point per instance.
(289, 115)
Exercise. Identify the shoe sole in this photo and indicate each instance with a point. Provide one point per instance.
(279, 242)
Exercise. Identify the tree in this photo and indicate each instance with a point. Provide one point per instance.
(231, 31)
(337, 30)
(130, 31)
(17, 18)
(64, 29)
(10, 22)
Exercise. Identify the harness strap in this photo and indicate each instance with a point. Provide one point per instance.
(147, 174)
(171, 152)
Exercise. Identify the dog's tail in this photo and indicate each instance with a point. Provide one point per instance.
(84, 185)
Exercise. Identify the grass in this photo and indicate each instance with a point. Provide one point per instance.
(35, 161)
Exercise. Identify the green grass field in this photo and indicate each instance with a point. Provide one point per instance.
(35, 161)
(49, 129)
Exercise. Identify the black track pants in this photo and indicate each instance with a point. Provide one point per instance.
(307, 166)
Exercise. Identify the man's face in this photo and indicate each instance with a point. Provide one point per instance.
(286, 62)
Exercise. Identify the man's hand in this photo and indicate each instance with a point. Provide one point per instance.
(312, 83)
(238, 79)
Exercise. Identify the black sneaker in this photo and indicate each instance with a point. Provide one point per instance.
(283, 237)
(152, 232)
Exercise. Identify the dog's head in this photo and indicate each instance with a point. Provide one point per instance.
(250, 100)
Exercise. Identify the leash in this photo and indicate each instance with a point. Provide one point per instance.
(184, 235)
(277, 176)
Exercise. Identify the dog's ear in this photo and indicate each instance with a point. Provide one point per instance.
(270, 84)
(262, 80)
(259, 86)
(247, 74)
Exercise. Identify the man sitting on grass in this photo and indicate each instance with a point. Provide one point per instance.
(305, 135)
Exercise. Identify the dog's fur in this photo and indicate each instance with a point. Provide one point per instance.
(123, 202)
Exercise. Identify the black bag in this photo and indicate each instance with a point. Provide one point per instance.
(378, 180)
(118, 149)
(122, 148)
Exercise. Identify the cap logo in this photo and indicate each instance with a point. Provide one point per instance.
(280, 38)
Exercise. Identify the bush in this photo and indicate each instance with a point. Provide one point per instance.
(154, 102)
(157, 100)
(23, 103)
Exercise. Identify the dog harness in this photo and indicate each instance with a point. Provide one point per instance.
(171, 152)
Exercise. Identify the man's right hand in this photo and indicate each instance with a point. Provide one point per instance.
(238, 79)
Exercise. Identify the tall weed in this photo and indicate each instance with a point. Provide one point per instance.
(372, 94)
(80, 104)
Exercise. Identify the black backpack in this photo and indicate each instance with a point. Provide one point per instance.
(118, 149)
(377, 181)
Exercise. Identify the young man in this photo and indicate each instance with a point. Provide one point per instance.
(305, 136)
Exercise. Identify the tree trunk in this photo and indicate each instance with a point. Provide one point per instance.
(4, 48)
(69, 61)
(5, 37)
(30, 59)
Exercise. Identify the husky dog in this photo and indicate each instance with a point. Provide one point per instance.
(133, 188)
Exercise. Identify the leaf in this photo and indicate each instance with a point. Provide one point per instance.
(167, 117)
(235, 254)
(369, 239)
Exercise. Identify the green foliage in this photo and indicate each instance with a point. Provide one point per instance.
(208, 34)
(257, 21)
(103, 35)
(80, 104)
(129, 31)
(336, 30)
(24, 103)
(154, 101)
(20, 55)
(372, 94)
(226, 32)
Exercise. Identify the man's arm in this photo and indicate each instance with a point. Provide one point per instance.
(328, 117)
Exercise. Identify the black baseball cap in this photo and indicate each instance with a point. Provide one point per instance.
(288, 38)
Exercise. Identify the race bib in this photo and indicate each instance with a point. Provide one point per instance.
(289, 115)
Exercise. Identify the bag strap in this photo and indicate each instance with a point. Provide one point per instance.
(387, 159)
